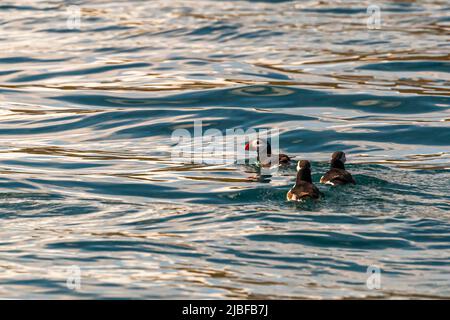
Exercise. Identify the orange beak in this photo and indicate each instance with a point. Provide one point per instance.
(247, 146)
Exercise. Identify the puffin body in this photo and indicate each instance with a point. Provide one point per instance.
(337, 175)
(303, 188)
(264, 153)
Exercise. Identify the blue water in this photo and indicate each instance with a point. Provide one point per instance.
(87, 178)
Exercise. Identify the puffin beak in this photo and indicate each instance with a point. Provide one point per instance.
(247, 146)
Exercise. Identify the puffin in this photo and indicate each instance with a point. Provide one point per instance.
(304, 187)
(337, 175)
(264, 153)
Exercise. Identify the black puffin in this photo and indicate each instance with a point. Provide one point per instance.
(337, 175)
(303, 188)
(264, 153)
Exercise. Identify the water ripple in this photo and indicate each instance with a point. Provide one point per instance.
(87, 179)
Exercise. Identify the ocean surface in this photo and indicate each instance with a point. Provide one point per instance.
(92, 205)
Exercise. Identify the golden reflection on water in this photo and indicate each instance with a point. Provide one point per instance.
(85, 169)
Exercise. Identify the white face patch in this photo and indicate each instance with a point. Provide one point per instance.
(343, 158)
(258, 144)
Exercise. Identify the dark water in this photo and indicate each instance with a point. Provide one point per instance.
(86, 177)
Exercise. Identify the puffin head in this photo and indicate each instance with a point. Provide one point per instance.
(338, 156)
(258, 145)
(303, 164)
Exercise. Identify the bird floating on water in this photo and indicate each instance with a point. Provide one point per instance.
(264, 153)
(304, 187)
(337, 175)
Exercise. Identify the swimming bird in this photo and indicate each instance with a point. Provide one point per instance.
(337, 175)
(264, 153)
(303, 188)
